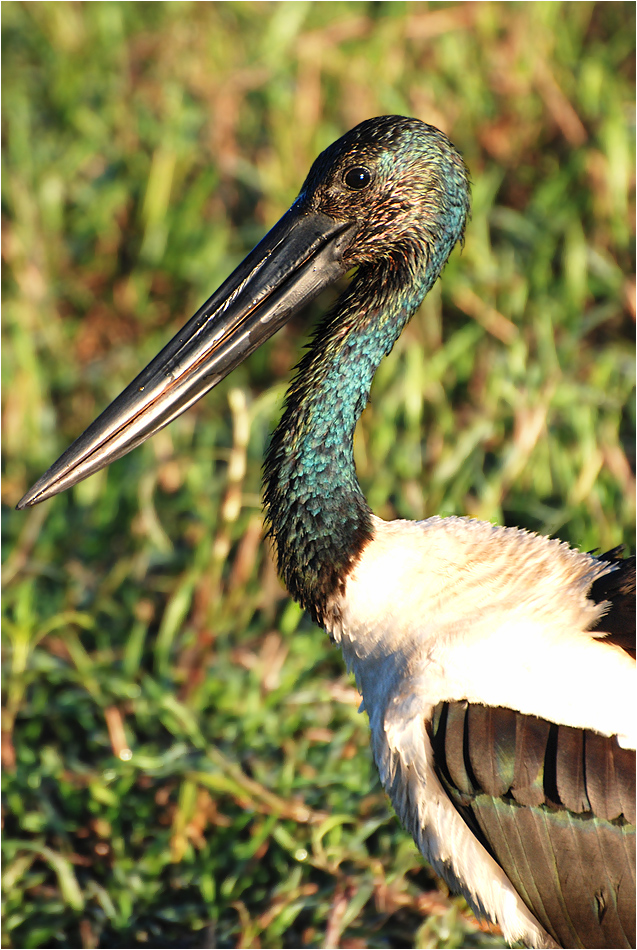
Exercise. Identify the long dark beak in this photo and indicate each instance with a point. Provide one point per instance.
(300, 256)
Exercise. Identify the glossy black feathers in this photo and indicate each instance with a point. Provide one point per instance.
(555, 807)
(617, 589)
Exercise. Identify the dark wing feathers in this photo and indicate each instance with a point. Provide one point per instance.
(457, 763)
(529, 746)
(550, 845)
(569, 765)
(601, 781)
(625, 771)
(555, 808)
(490, 762)
(618, 590)
(514, 843)
(616, 904)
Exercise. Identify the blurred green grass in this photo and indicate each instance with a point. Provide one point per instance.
(184, 763)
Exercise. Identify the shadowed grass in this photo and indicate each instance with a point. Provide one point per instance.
(184, 762)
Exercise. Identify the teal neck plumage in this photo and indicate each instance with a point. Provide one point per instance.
(318, 515)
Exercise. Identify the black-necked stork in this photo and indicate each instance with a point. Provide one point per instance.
(495, 665)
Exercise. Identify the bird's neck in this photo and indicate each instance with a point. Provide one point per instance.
(319, 518)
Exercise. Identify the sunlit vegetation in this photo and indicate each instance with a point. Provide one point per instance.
(184, 763)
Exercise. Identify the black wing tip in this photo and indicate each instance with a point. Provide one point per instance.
(616, 590)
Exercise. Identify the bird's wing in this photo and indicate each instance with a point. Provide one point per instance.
(555, 807)
(495, 669)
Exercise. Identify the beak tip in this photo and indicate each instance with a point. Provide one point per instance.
(35, 495)
(27, 501)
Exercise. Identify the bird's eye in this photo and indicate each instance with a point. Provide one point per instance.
(357, 177)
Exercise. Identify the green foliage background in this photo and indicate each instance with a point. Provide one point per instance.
(184, 762)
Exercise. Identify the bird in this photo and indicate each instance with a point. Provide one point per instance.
(496, 665)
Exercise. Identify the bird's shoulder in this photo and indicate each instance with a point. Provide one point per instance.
(454, 609)
(452, 570)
